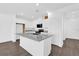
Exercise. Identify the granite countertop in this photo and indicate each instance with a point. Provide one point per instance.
(38, 37)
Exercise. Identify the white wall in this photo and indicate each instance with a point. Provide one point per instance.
(7, 28)
(64, 23)
(71, 25)
(55, 28)
(70, 21)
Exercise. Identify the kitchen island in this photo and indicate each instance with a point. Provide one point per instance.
(36, 44)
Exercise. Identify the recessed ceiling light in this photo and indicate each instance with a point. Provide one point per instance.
(37, 4)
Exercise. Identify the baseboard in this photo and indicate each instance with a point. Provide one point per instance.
(5, 41)
(13, 40)
(58, 44)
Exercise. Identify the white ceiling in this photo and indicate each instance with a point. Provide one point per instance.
(29, 10)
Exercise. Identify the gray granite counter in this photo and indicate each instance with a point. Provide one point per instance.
(38, 37)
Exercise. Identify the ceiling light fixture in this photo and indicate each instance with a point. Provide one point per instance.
(37, 4)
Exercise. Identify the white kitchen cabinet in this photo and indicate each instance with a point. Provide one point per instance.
(36, 48)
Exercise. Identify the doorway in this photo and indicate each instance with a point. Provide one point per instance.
(20, 29)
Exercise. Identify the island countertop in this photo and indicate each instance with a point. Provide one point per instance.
(38, 37)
